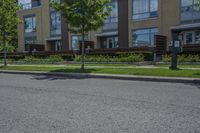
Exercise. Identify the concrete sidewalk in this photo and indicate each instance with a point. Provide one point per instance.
(87, 66)
(108, 76)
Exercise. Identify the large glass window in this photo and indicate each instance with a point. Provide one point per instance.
(29, 30)
(114, 13)
(25, 4)
(144, 36)
(55, 23)
(109, 42)
(23, 1)
(189, 11)
(143, 9)
(30, 24)
(191, 37)
(30, 40)
(75, 39)
(28, 4)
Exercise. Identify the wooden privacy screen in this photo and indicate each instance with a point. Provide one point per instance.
(161, 44)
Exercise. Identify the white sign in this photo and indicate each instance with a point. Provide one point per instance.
(176, 44)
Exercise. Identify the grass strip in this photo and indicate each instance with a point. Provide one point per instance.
(127, 71)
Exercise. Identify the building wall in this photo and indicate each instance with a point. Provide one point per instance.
(168, 15)
(65, 36)
(123, 27)
(42, 24)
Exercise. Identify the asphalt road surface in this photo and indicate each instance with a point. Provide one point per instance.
(43, 104)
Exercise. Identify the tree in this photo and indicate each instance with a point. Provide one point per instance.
(8, 24)
(198, 2)
(83, 16)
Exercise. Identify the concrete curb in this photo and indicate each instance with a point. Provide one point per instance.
(107, 76)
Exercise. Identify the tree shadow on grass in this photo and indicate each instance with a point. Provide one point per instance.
(2, 66)
(197, 74)
(63, 74)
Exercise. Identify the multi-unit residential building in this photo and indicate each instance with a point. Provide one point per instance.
(132, 23)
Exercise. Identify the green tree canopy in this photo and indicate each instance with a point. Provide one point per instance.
(8, 22)
(83, 16)
(198, 3)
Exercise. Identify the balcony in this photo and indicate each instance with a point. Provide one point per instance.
(26, 6)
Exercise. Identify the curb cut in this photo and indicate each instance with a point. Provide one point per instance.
(107, 76)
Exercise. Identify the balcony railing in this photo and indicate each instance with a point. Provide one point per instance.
(31, 5)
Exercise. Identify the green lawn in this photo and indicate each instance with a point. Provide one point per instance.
(127, 71)
(87, 64)
(183, 66)
(134, 65)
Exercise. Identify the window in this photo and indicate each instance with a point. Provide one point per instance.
(29, 30)
(144, 36)
(143, 9)
(113, 18)
(197, 37)
(21, 2)
(28, 4)
(58, 46)
(112, 42)
(30, 40)
(55, 23)
(191, 37)
(189, 11)
(25, 4)
(30, 24)
(75, 41)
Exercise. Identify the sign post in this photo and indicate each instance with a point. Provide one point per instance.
(175, 48)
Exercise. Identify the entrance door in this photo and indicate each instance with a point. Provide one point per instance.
(110, 42)
(58, 46)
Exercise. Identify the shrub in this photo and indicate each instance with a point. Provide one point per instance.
(68, 57)
(183, 58)
(29, 59)
(42, 60)
(55, 58)
(126, 58)
(188, 58)
(167, 58)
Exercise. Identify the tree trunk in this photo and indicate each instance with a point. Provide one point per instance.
(83, 52)
(5, 51)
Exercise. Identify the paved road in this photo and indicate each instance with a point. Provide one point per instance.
(42, 104)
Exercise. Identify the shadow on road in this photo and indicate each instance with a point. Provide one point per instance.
(54, 77)
(50, 76)
(196, 84)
